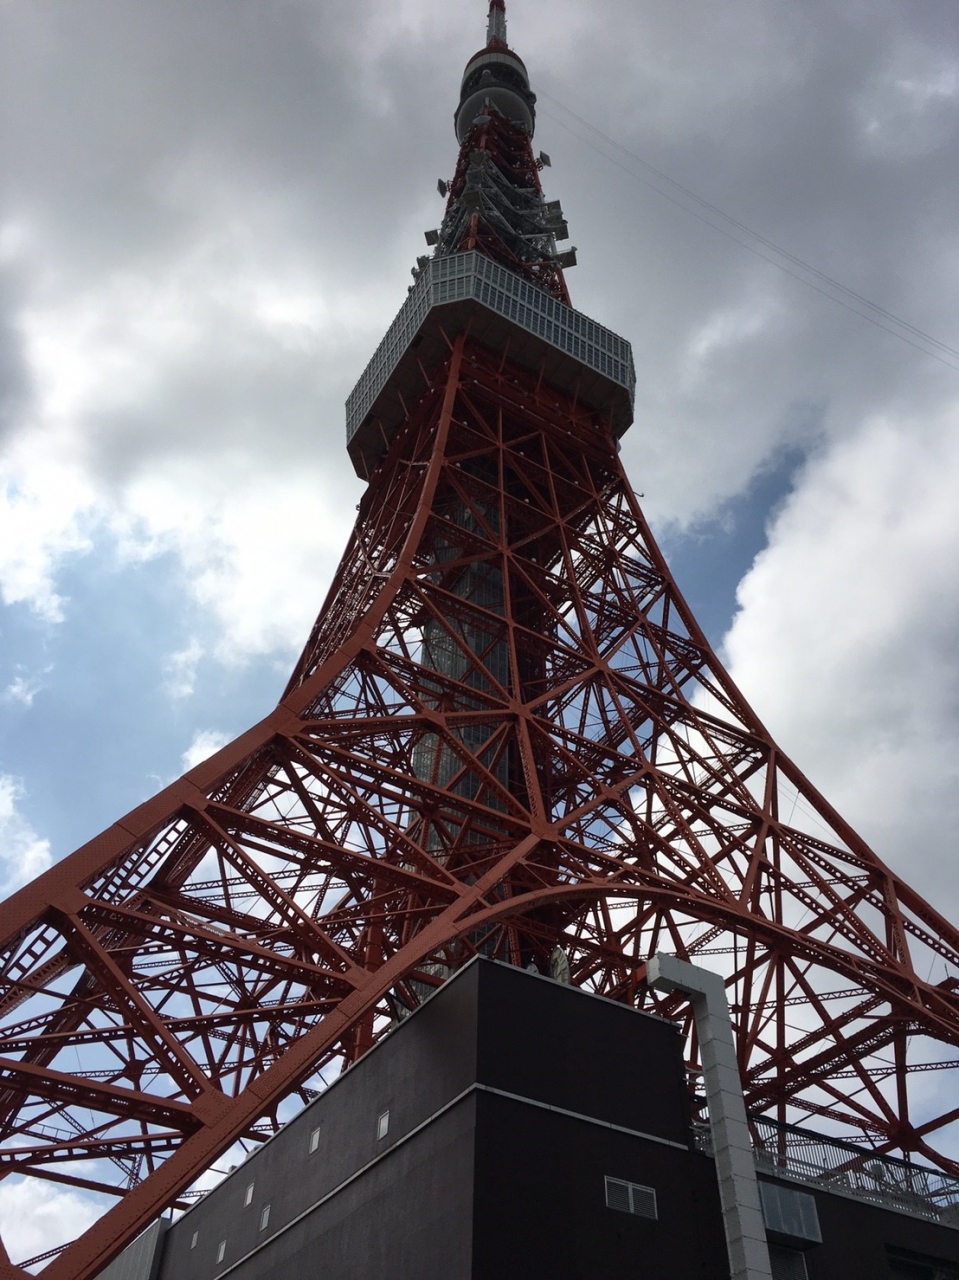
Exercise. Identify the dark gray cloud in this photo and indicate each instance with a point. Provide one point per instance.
(304, 140)
(14, 374)
(832, 134)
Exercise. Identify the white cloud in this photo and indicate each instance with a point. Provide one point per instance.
(257, 550)
(846, 639)
(43, 506)
(722, 336)
(193, 414)
(35, 1216)
(908, 109)
(179, 671)
(23, 853)
(206, 742)
(23, 688)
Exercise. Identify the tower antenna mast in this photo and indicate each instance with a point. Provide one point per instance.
(496, 31)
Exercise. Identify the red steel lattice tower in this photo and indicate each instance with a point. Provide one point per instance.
(507, 734)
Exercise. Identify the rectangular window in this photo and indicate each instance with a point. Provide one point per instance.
(383, 1125)
(248, 1198)
(314, 1140)
(221, 1251)
(790, 1213)
(905, 1265)
(193, 1239)
(265, 1218)
(631, 1197)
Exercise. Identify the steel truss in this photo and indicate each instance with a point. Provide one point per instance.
(507, 734)
(496, 205)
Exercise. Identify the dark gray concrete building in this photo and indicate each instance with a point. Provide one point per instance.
(514, 1127)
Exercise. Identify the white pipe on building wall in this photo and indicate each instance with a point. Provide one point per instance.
(735, 1166)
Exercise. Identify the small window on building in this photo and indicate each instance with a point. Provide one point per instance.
(787, 1264)
(383, 1125)
(221, 1251)
(314, 1140)
(631, 1197)
(265, 1218)
(905, 1265)
(248, 1197)
(790, 1213)
(193, 1239)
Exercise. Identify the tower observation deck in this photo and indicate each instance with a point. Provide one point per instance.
(506, 737)
(495, 272)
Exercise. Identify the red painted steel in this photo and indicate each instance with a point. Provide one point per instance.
(579, 771)
(511, 151)
(506, 735)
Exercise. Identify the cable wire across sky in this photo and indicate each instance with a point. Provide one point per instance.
(754, 241)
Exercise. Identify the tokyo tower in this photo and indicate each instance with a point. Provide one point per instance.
(506, 735)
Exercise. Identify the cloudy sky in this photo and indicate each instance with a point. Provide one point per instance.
(208, 214)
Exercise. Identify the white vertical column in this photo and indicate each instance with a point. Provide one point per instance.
(735, 1168)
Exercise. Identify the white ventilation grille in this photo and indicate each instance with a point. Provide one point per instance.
(631, 1197)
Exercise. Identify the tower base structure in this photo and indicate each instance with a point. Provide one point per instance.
(515, 1126)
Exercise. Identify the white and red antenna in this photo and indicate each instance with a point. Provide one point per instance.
(496, 32)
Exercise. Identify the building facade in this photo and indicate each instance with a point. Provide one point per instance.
(515, 1126)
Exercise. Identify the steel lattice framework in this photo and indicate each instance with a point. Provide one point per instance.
(507, 735)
